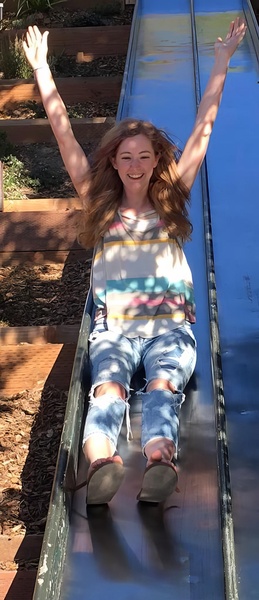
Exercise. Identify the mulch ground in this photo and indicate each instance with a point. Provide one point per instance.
(43, 294)
(43, 163)
(83, 110)
(30, 424)
(31, 421)
(61, 17)
(104, 66)
(67, 66)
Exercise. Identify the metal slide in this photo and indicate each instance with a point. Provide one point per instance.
(204, 543)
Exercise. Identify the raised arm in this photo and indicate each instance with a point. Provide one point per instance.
(196, 146)
(36, 48)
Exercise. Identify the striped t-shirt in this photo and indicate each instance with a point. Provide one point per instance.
(142, 283)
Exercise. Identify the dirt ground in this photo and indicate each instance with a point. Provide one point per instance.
(43, 295)
(31, 421)
(44, 163)
(30, 424)
(61, 17)
(67, 66)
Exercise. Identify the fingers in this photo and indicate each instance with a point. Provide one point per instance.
(29, 38)
(37, 34)
(235, 35)
(231, 29)
(236, 32)
(238, 27)
(45, 36)
(34, 36)
(27, 42)
(240, 31)
(30, 35)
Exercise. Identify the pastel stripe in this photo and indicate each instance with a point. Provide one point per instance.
(141, 280)
(117, 316)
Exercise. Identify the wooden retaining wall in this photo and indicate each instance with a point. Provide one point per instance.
(71, 89)
(85, 43)
(29, 131)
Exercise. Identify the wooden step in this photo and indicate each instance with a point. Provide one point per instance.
(29, 131)
(71, 89)
(39, 231)
(42, 205)
(40, 237)
(17, 584)
(43, 257)
(39, 334)
(92, 42)
(25, 366)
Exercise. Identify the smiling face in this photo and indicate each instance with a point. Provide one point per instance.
(135, 160)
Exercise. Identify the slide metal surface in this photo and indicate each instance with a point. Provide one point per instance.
(204, 542)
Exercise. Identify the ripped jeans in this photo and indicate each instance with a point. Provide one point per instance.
(115, 358)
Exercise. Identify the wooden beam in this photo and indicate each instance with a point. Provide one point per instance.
(39, 335)
(29, 131)
(71, 89)
(42, 204)
(43, 257)
(91, 42)
(17, 584)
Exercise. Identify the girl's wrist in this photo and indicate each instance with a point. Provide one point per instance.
(222, 59)
(40, 67)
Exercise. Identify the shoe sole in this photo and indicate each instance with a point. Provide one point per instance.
(104, 482)
(158, 483)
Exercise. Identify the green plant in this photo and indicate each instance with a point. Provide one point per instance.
(55, 60)
(15, 174)
(30, 110)
(27, 7)
(13, 62)
(6, 148)
(23, 22)
(15, 178)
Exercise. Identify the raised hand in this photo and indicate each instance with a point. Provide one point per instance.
(35, 47)
(232, 40)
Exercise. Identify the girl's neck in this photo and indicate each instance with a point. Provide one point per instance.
(133, 205)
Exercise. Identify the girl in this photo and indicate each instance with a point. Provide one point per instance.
(135, 198)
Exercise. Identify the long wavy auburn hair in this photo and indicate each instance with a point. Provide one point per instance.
(167, 193)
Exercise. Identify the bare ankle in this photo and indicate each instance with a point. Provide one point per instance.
(160, 449)
(96, 447)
